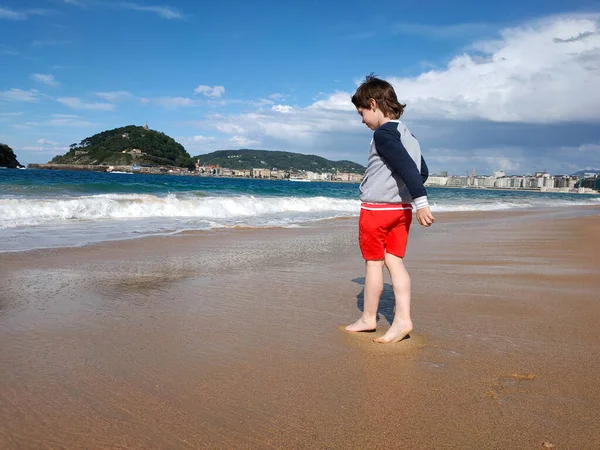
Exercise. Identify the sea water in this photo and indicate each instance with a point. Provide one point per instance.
(47, 208)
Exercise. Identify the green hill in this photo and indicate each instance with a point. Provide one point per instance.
(127, 145)
(249, 159)
(8, 158)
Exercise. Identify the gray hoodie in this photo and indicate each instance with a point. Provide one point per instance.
(396, 170)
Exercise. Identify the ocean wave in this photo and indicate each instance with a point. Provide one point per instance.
(223, 210)
(512, 203)
(219, 211)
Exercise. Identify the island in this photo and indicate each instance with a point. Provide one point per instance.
(8, 158)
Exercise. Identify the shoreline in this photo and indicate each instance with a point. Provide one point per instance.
(162, 171)
(348, 220)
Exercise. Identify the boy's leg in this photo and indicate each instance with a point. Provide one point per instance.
(372, 294)
(402, 324)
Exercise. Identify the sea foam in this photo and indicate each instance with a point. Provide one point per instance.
(28, 212)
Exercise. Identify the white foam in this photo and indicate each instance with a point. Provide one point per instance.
(497, 205)
(30, 212)
(226, 210)
(28, 223)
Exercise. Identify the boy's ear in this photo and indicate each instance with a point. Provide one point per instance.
(372, 104)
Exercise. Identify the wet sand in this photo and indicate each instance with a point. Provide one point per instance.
(232, 339)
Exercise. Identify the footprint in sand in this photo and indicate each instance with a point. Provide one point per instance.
(507, 385)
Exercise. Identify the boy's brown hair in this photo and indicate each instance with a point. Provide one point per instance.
(382, 92)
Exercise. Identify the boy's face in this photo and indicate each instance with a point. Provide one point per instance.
(368, 117)
(371, 117)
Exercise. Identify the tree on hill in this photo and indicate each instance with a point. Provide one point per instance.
(127, 145)
(8, 158)
(248, 159)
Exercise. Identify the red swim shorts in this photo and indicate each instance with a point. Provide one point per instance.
(383, 228)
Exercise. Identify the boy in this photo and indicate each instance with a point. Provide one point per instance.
(393, 180)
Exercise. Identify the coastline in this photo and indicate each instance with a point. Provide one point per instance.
(161, 171)
(501, 189)
(230, 338)
(183, 172)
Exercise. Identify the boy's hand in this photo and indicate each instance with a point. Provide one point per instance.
(424, 216)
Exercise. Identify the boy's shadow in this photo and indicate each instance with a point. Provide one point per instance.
(386, 303)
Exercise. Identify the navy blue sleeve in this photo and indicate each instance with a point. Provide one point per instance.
(424, 170)
(390, 148)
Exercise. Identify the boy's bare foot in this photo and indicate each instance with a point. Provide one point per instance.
(362, 325)
(396, 333)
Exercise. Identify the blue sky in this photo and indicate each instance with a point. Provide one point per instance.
(508, 85)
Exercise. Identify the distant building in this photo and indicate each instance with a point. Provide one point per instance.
(261, 173)
(242, 173)
(348, 176)
(437, 181)
(457, 181)
(278, 174)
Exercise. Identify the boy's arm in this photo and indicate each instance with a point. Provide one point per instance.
(424, 170)
(391, 149)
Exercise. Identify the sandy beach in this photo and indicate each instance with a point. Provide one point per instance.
(233, 339)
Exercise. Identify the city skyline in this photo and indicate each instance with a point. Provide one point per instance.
(490, 87)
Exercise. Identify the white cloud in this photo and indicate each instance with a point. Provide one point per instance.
(487, 160)
(203, 138)
(77, 103)
(55, 120)
(588, 149)
(241, 141)
(507, 164)
(162, 11)
(228, 127)
(20, 95)
(260, 102)
(215, 91)
(340, 101)
(115, 96)
(300, 127)
(543, 72)
(46, 142)
(282, 108)
(10, 114)
(516, 160)
(45, 78)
